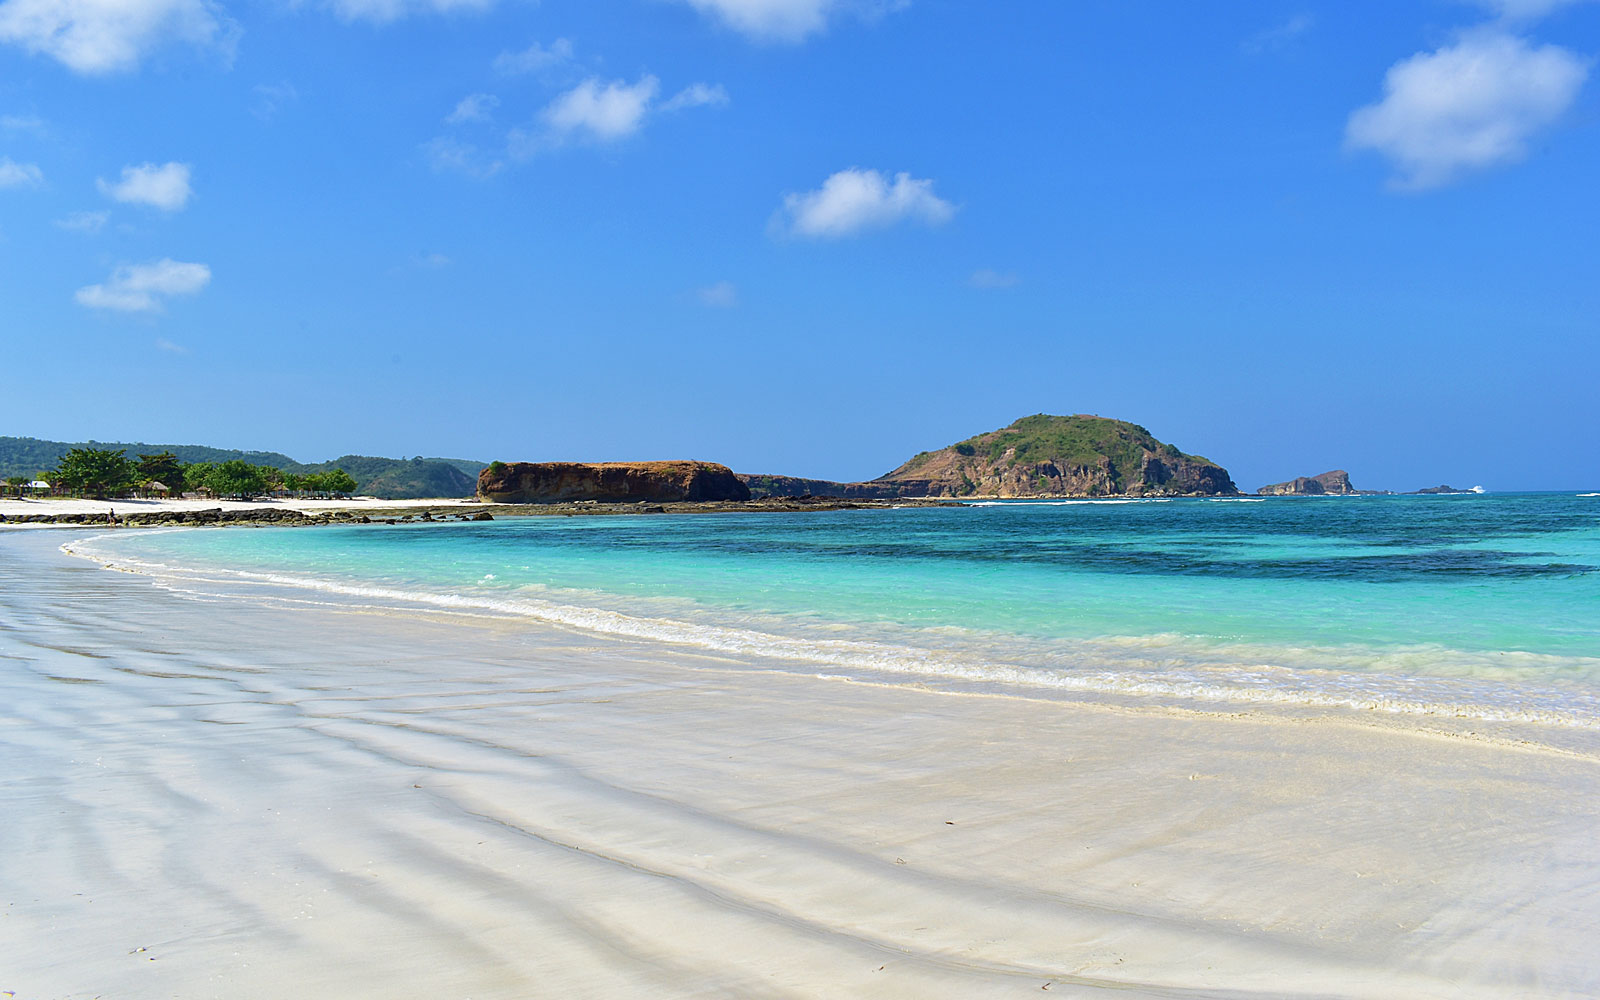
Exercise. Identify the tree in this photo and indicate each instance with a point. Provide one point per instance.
(162, 468)
(338, 481)
(97, 472)
(16, 483)
(196, 476)
(272, 477)
(236, 478)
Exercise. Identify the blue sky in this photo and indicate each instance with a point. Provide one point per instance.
(808, 236)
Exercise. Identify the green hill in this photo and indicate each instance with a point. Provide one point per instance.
(1048, 455)
(390, 478)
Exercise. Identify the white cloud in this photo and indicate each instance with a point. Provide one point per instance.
(697, 95)
(84, 222)
(722, 295)
(604, 112)
(271, 97)
(14, 174)
(446, 154)
(431, 261)
(385, 11)
(105, 36)
(598, 111)
(1526, 10)
(165, 187)
(787, 20)
(1279, 35)
(853, 200)
(142, 287)
(534, 58)
(990, 280)
(473, 108)
(21, 123)
(1466, 106)
(163, 344)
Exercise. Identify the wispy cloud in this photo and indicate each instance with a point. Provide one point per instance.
(165, 186)
(385, 11)
(447, 154)
(144, 287)
(1278, 36)
(16, 175)
(534, 58)
(270, 98)
(163, 344)
(473, 108)
(855, 200)
(696, 95)
(601, 111)
(106, 36)
(788, 20)
(1467, 106)
(21, 123)
(597, 111)
(1527, 10)
(722, 295)
(988, 280)
(83, 222)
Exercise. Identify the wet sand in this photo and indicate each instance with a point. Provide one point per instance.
(214, 796)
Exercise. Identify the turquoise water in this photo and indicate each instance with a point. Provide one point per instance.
(1481, 604)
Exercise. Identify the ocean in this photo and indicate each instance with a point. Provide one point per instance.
(1469, 606)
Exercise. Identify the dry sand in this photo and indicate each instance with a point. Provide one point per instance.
(70, 505)
(206, 796)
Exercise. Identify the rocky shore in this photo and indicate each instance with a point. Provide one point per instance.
(284, 517)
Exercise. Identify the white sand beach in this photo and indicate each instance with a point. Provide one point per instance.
(11, 507)
(214, 797)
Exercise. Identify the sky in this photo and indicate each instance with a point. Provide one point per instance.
(809, 237)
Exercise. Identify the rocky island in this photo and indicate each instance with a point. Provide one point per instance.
(1039, 456)
(1335, 483)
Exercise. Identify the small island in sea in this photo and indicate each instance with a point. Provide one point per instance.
(1037, 456)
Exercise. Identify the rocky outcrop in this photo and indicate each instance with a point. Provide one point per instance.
(609, 482)
(1045, 455)
(1335, 483)
(1037, 456)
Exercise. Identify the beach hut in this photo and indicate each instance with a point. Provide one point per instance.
(155, 488)
(37, 486)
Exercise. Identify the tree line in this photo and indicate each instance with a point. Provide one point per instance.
(102, 474)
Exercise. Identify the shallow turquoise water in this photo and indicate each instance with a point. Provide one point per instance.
(1281, 594)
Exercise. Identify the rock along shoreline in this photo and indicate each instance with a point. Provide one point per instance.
(218, 517)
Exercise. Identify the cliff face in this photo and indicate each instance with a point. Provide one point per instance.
(549, 482)
(1336, 483)
(1046, 455)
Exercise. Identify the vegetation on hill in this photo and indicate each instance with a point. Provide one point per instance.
(390, 478)
(1061, 455)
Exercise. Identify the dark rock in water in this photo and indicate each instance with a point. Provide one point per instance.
(552, 482)
(1442, 489)
(1335, 483)
(483, 515)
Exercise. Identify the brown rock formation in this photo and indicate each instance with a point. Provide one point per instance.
(616, 482)
(1037, 456)
(1336, 483)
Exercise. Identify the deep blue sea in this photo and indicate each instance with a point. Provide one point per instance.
(1473, 605)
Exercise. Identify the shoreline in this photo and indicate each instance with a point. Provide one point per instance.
(264, 798)
(300, 513)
